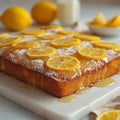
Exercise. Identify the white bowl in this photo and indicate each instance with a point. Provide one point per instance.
(104, 31)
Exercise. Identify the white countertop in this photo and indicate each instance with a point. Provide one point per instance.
(11, 111)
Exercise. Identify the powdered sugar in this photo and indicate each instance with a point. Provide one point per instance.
(21, 52)
(86, 44)
(13, 58)
(94, 65)
(28, 38)
(110, 55)
(19, 57)
(2, 50)
(52, 74)
(68, 51)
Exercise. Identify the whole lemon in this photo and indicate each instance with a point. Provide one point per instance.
(44, 12)
(16, 18)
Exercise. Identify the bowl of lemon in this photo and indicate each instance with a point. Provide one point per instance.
(101, 26)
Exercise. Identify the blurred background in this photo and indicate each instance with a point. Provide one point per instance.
(92, 7)
(88, 8)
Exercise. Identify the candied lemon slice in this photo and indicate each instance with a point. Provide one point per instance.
(3, 35)
(33, 32)
(66, 42)
(41, 52)
(107, 45)
(63, 62)
(51, 27)
(109, 115)
(66, 32)
(114, 22)
(9, 41)
(51, 37)
(87, 37)
(26, 45)
(99, 20)
(92, 53)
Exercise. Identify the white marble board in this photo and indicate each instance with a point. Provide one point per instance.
(50, 107)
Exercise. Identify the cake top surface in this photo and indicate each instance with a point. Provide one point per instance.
(59, 54)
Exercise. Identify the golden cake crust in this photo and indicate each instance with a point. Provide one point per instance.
(59, 88)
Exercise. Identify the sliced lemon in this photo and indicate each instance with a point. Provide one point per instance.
(3, 35)
(87, 37)
(26, 45)
(51, 37)
(33, 32)
(41, 52)
(66, 32)
(109, 115)
(51, 27)
(99, 20)
(107, 45)
(66, 42)
(63, 62)
(114, 22)
(9, 41)
(92, 53)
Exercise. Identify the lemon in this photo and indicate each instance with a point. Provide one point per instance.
(51, 37)
(9, 41)
(92, 53)
(56, 27)
(109, 115)
(87, 37)
(3, 35)
(41, 52)
(33, 32)
(66, 42)
(107, 45)
(63, 62)
(16, 18)
(114, 22)
(44, 12)
(26, 45)
(66, 32)
(99, 20)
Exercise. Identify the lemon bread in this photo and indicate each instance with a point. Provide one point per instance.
(59, 66)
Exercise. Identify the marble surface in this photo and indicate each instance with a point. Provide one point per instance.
(11, 111)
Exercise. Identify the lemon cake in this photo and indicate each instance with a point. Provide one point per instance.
(58, 61)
